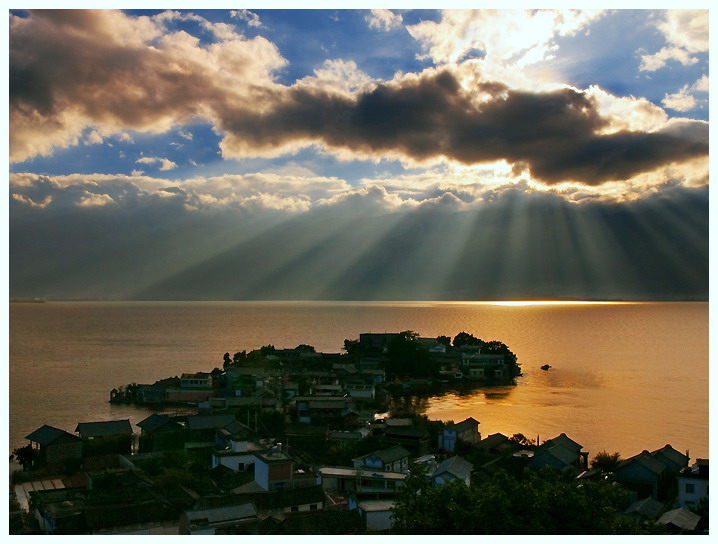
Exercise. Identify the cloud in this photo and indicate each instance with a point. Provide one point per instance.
(337, 76)
(166, 164)
(126, 73)
(686, 32)
(684, 99)
(93, 138)
(557, 135)
(516, 37)
(252, 19)
(383, 19)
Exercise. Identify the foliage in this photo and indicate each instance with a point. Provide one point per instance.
(499, 347)
(606, 461)
(539, 502)
(351, 347)
(25, 456)
(407, 357)
(227, 361)
(522, 440)
(306, 348)
(238, 357)
(445, 340)
(466, 339)
(267, 350)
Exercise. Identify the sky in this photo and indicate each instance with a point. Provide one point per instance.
(358, 154)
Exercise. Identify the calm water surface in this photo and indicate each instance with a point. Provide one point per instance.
(625, 377)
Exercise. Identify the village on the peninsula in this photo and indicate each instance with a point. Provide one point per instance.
(294, 441)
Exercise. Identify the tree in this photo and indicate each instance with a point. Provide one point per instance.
(227, 360)
(351, 347)
(238, 357)
(306, 348)
(537, 502)
(522, 440)
(445, 340)
(267, 350)
(605, 461)
(466, 339)
(25, 456)
(407, 357)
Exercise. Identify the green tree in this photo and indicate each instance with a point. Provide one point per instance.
(538, 502)
(227, 360)
(267, 350)
(238, 357)
(466, 339)
(407, 357)
(445, 340)
(606, 461)
(306, 348)
(25, 456)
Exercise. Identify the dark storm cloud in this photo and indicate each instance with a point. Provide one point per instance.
(555, 135)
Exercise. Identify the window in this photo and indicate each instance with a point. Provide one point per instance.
(312, 506)
(690, 488)
(295, 509)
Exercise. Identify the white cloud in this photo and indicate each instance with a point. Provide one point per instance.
(166, 164)
(383, 19)
(685, 99)
(186, 134)
(337, 76)
(92, 199)
(93, 138)
(252, 19)
(514, 37)
(686, 32)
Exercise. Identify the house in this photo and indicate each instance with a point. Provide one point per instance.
(672, 458)
(53, 445)
(413, 439)
(237, 519)
(560, 453)
(477, 365)
(236, 448)
(160, 432)
(273, 470)
(497, 443)
(197, 380)
(394, 459)
(104, 437)
(313, 409)
(281, 503)
(645, 475)
(453, 468)
(376, 513)
(204, 428)
(344, 479)
(466, 431)
(693, 484)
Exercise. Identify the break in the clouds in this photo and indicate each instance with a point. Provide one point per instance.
(279, 129)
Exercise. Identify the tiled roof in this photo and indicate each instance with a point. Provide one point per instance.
(222, 514)
(564, 441)
(468, 423)
(47, 435)
(199, 423)
(104, 428)
(388, 455)
(649, 508)
(680, 517)
(644, 459)
(154, 422)
(456, 466)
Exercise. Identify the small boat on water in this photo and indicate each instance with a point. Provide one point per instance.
(545, 367)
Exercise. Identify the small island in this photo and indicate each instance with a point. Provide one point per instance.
(374, 366)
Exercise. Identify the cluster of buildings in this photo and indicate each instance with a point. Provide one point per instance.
(239, 483)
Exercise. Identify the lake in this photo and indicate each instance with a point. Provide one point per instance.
(625, 376)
